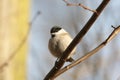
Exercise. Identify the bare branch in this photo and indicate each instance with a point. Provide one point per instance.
(79, 4)
(111, 36)
(76, 40)
(5, 63)
(34, 18)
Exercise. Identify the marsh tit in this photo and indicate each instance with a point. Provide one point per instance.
(59, 41)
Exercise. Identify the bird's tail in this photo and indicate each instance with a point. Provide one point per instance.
(70, 60)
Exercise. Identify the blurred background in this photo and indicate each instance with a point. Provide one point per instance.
(102, 66)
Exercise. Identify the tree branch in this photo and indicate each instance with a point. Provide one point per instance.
(76, 40)
(6, 62)
(111, 36)
(79, 4)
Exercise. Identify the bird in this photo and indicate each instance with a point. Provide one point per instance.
(59, 41)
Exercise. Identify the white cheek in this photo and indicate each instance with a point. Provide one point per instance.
(61, 31)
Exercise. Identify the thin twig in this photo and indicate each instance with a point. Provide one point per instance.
(79, 4)
(6, 62)
(111, 36)
(76, 40)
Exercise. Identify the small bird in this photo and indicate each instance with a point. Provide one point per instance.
(59, 41)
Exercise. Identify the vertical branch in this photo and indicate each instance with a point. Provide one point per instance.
(111, 36)
(76, 40)
(6, 62)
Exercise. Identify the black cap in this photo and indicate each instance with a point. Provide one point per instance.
(55, 29)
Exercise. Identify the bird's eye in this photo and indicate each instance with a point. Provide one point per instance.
(53, 35)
